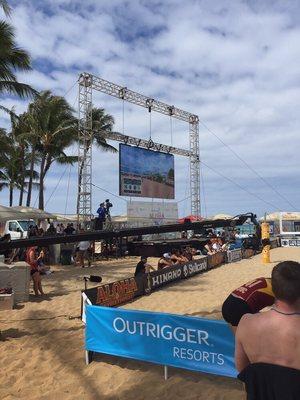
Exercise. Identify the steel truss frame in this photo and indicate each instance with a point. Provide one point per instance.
(88, 83)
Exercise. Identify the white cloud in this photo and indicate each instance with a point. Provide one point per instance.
(235, 64)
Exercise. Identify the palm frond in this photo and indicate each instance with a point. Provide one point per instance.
(3, 185)
(64, 159)
(6, 7)
(20, 89)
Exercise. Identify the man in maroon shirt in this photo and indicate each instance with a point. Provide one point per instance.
(249, 298)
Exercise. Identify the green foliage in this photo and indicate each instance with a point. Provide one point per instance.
(40, 136)
(12, 60)
(6, 7)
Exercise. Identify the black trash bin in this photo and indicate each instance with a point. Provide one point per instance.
(66, 256)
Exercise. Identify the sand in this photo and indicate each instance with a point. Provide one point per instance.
(42, 356)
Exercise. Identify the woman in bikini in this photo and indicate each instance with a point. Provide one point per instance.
(33, 261)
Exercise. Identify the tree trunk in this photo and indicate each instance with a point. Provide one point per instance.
(22, 178)
(11, 195)
(21, 192)
(41, 188)
(32, 160)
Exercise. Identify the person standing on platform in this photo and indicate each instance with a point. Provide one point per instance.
(101, 217)
(107, 206)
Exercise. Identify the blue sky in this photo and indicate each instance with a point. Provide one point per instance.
(233, 63)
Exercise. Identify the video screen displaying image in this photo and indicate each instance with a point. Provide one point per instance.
(146, 173)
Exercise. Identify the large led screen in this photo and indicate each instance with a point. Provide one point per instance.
(146, 173)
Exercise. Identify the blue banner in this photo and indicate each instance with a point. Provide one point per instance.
(185, 342)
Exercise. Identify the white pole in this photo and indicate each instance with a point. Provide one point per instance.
(87, 358)
(280, 224)
(166, 372)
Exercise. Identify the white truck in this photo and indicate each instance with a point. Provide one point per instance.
(17, 228)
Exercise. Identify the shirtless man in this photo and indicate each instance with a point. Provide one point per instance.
(273, 336)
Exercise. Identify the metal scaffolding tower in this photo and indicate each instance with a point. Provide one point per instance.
(88, 83)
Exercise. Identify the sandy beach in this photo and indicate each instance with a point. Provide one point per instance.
(42, 356)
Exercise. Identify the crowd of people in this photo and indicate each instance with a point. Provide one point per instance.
(215, 245)
(52, 229)
(175, 257)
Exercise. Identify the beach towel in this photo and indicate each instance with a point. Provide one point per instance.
(271, 382)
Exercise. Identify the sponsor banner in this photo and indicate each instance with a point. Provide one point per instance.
(185, 342)
(247, 253)
(294, 242)
(115, 293)
(164, 276)
(152, 213)
(234, 255)
(194, 267)
(216, 259)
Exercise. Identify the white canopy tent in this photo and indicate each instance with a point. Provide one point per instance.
(286, 216)
(8, 213)
(33, 213)
(222, 216)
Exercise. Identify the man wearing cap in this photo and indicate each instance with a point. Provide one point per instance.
(107, 207)
(164, 261)
(101, 217)
(143, 267)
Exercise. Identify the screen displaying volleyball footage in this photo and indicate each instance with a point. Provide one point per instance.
(146, 173)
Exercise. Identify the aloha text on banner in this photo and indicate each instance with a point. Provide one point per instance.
(185, 342)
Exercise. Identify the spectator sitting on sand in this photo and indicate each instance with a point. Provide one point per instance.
(271, 340)
(188, 253)
(216, 244)
(177, 257)
(208, 249)
(143, 267)
(164, 261)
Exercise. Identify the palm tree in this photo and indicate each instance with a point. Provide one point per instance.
(21, 134)
(4, 146)
(12, 59)
(15, 157)
(6, 8)
(10, 171)
(10, 176)
(101, 123)
(53, 128)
